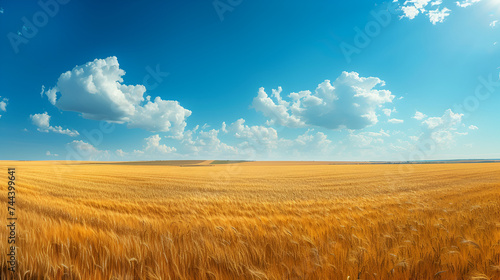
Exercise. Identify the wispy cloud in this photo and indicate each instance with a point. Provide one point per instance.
(42, 121)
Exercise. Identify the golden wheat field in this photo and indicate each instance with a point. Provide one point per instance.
(254, 220)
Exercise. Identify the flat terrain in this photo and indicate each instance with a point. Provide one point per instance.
(255, 220)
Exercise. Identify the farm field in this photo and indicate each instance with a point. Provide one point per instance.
(254, 220)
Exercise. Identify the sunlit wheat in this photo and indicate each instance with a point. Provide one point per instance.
(263, 221)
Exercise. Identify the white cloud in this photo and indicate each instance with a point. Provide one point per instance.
(153, 146)
(96, 90)
(419, 4)
(382, 145)
(317, 141)
(42, 121)
(414, 138)
(388, 112)
(206, 144)
(419, 116)
(437, 15)
(250, 142)
(493, 23)
(381, 133)
(160, 115)
(412, 8)
(442, 130)
(120, 153)
(48, 153)
(194, 144)
(349, 102)
(473, 127)
(3, 104)
(257, 138)
(466, 3)
(396, 121)
(264, 143)
(224, 127)
(80, 150)
(449, 119)
(410, 11)
(309, 145)
(362, 140)
(277, 112)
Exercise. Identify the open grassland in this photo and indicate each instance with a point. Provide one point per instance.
(255, 221)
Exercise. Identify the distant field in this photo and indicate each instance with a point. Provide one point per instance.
(158, 162)
(255, 220)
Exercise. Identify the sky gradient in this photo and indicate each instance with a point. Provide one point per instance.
(151, 80)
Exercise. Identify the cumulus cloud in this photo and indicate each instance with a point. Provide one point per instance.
(473, 127)
(224, 127)
(80, 150)
(448, 120)
(202, 143)
(194, 143)
(437, 15)
(264, 143)
(250, 142)
(309, 145)
(49, 154)
(419, 116)
(349, 102)
(442, 130)
(466, 3)
(493, 23)
(313, 141)
(388, 112)
(364, 145)
(247, 142)
(258, 138)
(42, 121)
(160, 115)
(410, 11)
(97, 91)
(277, 112)
(153, 145)
(362, 140)
(3, 105)
(412, 8)
(120, 153)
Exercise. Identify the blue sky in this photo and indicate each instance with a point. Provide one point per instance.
(329, 80)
